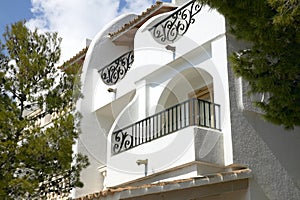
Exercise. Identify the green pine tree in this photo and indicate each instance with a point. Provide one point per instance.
(36, 160)
(272, 64)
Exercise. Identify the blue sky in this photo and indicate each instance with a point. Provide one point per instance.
(74, 20)
(12, 11)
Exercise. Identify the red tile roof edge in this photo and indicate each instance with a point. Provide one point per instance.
(82, 52)
(137, 19)
(110, 191)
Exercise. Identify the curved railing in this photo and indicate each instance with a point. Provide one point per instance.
(115, 71)
(176, 24)
(193, 112)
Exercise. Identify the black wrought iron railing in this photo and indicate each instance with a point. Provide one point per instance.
(115, 71)
(193, 112)
(176, 24)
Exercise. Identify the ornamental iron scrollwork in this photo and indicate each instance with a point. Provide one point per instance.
(121, 141)
(115, 71)
(175, 25)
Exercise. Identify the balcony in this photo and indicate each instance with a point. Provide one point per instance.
(193, 112)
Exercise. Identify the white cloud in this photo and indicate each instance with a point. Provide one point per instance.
(136, 6)
(76, 20)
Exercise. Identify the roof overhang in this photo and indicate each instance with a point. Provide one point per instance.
(234, 179)
(125, 35)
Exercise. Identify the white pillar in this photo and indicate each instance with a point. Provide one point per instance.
(103, 174)
(141, 90)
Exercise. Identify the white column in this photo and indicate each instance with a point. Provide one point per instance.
(103, 174)
(141, 90)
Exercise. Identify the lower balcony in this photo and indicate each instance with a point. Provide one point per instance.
(193, 112)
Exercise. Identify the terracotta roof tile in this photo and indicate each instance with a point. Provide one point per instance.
(111, 191)
(77, 56)
(140, 18)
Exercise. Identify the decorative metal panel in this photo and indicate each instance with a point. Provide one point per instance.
(176, 24)
(122, 140)
(116, 70)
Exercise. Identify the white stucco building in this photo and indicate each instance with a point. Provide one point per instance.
(164, 117)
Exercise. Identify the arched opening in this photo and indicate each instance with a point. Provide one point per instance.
(188, 84)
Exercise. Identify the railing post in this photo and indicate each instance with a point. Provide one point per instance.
(183, 115)
(219, 118)
(214, 115)
(209, 114)
(204, 114)
(133, 135)
(176, 118)
(193, 111)
(198, 112)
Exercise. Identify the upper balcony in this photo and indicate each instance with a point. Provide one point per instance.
(193, 112)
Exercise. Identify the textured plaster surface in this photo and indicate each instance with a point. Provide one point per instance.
(209, 146)
(253, 144)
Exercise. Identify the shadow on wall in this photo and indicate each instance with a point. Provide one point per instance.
(209, 146)
(285, 145)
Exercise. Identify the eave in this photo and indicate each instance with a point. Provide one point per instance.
(124, 36)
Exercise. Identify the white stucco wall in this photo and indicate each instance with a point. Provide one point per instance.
(202, 48)
(92, 140)
(166, 152)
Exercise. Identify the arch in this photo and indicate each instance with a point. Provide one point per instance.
(186, 84)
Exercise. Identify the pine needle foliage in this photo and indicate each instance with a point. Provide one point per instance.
(272, 64)
(36, 159)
